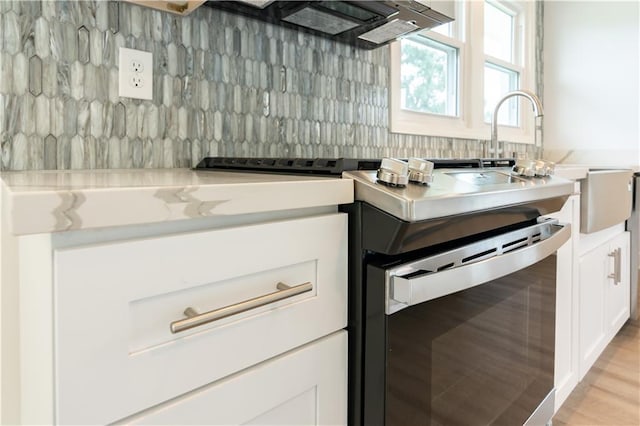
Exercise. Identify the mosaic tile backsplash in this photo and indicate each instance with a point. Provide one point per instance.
(223, 85)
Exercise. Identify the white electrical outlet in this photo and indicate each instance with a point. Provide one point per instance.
(136, 66)
(135, 75)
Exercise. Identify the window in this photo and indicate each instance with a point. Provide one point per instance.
(498, 32)
(502, 68)
(497, 82)
(429, 77)
(447, 81)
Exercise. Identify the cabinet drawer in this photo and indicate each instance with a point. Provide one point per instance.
(306, 386)
(114, 303)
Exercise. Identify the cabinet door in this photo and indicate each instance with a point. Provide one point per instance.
(618, 285)
(604, 297)
(593, 269)
(306, 386)
(115, 351)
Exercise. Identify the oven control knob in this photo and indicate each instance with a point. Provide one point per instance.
(525, 168)
(393, 172)
(531, 168)
(420, 171)
(544, 168)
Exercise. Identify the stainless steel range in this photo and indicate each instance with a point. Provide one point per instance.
(452, 274)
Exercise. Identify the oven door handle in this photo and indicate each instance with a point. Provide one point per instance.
(412, 289)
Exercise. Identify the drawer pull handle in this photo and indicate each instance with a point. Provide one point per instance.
(617, 266)
(195, 319)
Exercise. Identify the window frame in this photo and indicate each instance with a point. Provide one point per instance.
(469, 32)
(451, 73)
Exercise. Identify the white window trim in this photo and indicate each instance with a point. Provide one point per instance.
(469, 124)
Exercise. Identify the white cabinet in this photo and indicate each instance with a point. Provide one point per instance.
(96, 309)
(604, 297)
(304, 386)
(593, 285)
(618, 285)
(127, 294)
(566, 374)
(590, 306)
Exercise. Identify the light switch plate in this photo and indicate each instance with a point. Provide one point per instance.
(135, 75)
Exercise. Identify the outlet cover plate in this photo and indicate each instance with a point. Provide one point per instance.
(135, 75)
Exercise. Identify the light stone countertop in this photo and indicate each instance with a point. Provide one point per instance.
(579, 171)
(51, 201)
(571, 171)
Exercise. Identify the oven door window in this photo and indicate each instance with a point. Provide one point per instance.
(479, 356)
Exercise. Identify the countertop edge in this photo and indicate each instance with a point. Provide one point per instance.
(52, 209)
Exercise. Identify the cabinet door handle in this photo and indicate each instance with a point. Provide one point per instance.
(617, 265)
(195, 319)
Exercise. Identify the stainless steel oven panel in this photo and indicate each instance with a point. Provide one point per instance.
(449, 196)
(544, 412)
(471, 265)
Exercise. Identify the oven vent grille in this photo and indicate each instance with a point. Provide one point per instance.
(419, 281)
(478, 251)
(481, 254)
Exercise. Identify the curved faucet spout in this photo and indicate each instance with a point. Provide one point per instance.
(537, 110)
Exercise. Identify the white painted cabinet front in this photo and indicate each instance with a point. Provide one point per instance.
(304, 386)
(114, 357)
(566, 350)
(618, 291)
(604, 297)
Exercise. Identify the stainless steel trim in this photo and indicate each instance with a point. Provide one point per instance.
(474, 264)
(448, 196)
(195, 319)
(617, 265)
(543, 414)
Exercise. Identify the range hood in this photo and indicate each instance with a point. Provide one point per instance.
(366, 24)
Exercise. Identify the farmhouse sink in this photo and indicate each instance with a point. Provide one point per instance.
(605, 200)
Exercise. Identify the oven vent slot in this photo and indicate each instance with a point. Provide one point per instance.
(478, 255)
(415, 274)
(516, 244)
(509, 244)
(478, 251)
(447, 266)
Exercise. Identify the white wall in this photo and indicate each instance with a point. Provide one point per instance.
(592, 82)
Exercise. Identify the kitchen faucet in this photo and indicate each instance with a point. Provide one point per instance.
(537, 110)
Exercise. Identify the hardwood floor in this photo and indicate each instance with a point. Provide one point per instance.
(610, 392)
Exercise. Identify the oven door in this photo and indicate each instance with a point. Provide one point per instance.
(470, 333)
